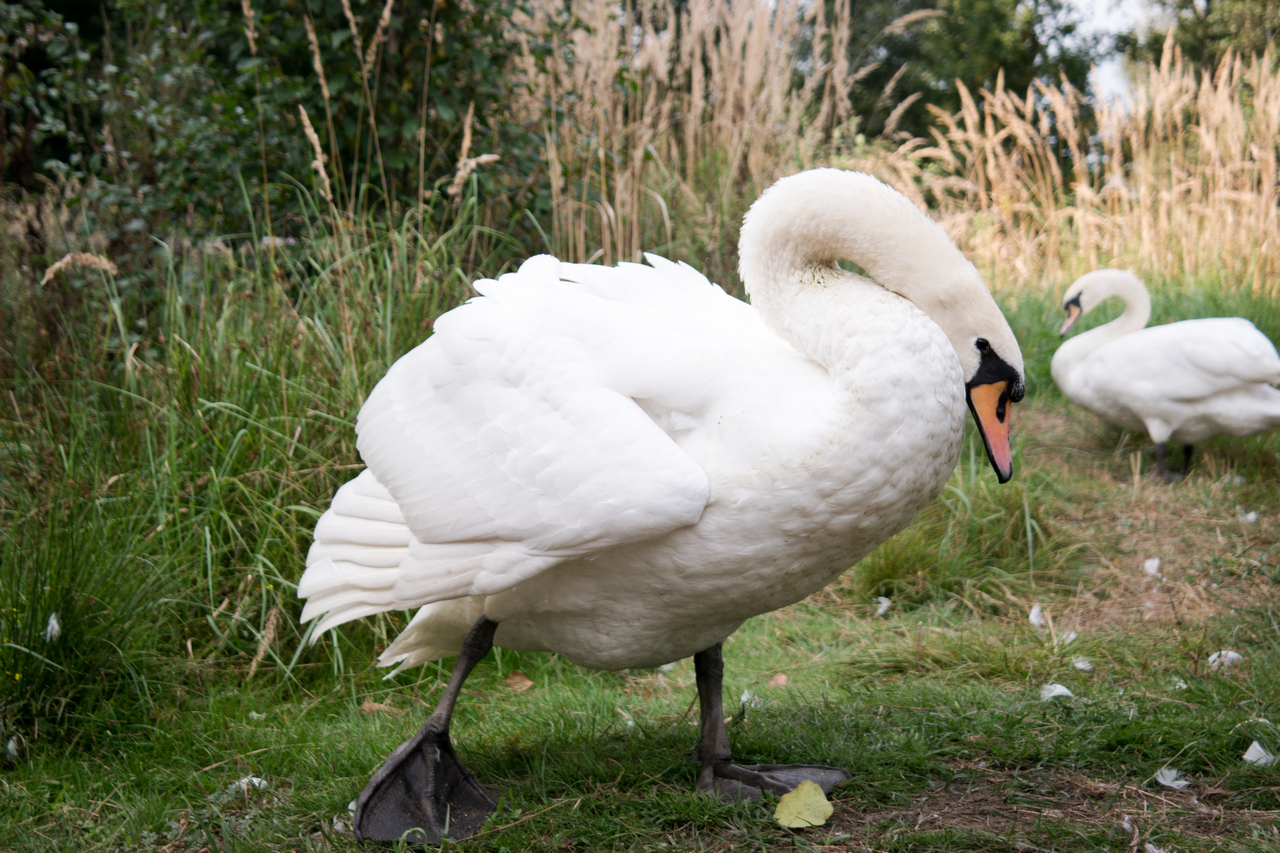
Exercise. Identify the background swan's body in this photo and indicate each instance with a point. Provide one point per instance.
(621, 465)
(1182, 382)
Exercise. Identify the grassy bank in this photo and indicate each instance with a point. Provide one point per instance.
(159, 493)
(161, 508)
(942, 760)
(936, 710)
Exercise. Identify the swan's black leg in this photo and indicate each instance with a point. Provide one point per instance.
(423, 789)
(737, 781)
(1162, 463)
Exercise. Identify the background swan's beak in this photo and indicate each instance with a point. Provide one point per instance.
(1073, 314)
(990, 406)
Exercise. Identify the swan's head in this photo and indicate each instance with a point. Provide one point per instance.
(1092, 289)
(993, 370)
(812, 220)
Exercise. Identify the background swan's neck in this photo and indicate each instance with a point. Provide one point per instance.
(1099, 286)
(1137, 304)
(797, 231)
(1137, 308)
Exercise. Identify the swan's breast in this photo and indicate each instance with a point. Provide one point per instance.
(815, 445)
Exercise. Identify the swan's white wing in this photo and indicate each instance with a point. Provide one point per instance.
(1226, 351)
(1189, 360)
(514, 427)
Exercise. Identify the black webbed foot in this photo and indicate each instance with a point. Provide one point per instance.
(423, 793)
(751, 781)
(739, 781)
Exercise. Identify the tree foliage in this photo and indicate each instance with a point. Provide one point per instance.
(1205, 30)
(187, 112)
(970, 41)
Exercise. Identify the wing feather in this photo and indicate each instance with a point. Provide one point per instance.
(540, 422)
(514, 425)
(1189, 360)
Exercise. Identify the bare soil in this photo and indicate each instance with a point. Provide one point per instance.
(1031, 808)
(1215, 549)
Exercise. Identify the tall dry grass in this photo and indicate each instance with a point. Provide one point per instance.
(662, 127)
(1179, 183)
(690, 106)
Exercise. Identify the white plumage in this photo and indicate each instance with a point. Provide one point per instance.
(623, 464)
(1182, 382)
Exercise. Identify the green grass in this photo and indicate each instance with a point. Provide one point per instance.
(160, 502)
(158, 493)
(607, 756)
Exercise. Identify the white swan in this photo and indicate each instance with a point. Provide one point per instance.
(623, 464)
(1182, 382)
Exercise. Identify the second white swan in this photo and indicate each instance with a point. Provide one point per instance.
(1182, 382)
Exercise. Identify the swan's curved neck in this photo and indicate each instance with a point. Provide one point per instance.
(1102, 285)
(793, 237)
(1137, 303)
(1137, 310)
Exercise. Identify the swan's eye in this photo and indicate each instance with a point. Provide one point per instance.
(982, 345)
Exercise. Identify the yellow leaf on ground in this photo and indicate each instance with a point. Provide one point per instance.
(518, 681)
(806, 805)
(779, 680)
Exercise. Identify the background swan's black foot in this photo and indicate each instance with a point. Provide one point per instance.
(735, 782)
(1162, 463)
(425, 791)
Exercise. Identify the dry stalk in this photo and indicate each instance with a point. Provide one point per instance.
(113, 153)
(326, 191)
(315, 59)
(355, 32)
(318, 65)
(900, 25)
(365, 63)
(1038, 186)
(250, 31)
(706, 79)
(467, 165)
(895, 115)
(79, 259)
(268, 637)
(379, 37)
(1181, 184)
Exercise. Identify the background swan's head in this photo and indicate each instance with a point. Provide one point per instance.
(815, 219)
(1093, 288)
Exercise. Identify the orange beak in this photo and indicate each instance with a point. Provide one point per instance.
(990, 406)
(1073, 314)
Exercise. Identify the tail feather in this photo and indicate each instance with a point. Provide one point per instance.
(355, 552)
(354, 564)
(341, 615)
(350, 528)
(338, 597)
(370, 504)
(436, 631)
(365, 560)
